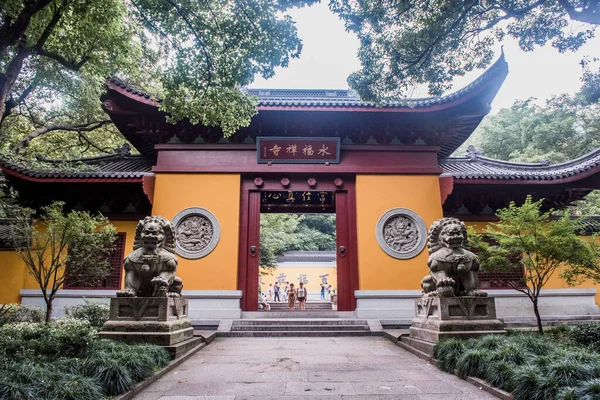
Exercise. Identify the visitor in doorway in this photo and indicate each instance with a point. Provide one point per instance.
(284, 291)
(276, 290)
(262, 302)
(301, 296)
(270, 292)
(322, 292)
(291, 294)
(328, 289)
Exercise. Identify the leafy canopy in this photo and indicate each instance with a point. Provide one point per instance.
(194, 54)
(60, 246)
(405, 43)
(547, 245)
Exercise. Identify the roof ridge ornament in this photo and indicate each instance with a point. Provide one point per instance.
(473, 153)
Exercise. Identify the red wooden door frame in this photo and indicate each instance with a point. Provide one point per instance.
(345, 209)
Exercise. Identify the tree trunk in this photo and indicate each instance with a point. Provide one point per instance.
(49, 309)
(536, 311)
(8, 79)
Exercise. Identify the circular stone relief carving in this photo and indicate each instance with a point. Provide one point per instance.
(401, 233)
(197, 231)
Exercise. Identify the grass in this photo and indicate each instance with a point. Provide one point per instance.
(530, 366)
(68, 361)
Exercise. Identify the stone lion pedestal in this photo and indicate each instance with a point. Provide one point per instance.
(452, 306)
(439, 318)
(155, 320)
(150, 308)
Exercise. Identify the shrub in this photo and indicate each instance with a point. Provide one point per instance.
(15, 313)
(500, 374)
(527, 382)
(447, 352)
(586, 335)
(472, 363)
(569, 371)
(490, 342)
(67, 337)
(96, 313)
(112, 374)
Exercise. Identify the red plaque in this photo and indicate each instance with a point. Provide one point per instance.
(285, 150)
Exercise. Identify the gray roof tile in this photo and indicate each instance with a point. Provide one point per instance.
(476, 166)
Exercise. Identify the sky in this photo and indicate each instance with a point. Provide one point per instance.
(329, 56)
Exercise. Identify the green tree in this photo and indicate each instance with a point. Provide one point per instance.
(547, 245)
(405, 43)
(60, 246)
(288, 232)
(56, 54)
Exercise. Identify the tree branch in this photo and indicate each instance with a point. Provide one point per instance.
(587, 15)
(42, 131)
(63, 61)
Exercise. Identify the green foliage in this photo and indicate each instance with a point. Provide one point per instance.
(196, 55)
(546, 245)
(586, 335)
(67, 360)
(561, 130)
(74, 246)
(15, 313)
(405, 43)
(565, 371)
(472, 363)
(95, 313)
(287, 232)
(448, 352)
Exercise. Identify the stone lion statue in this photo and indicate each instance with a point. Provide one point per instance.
(452, 267)
(150, 268)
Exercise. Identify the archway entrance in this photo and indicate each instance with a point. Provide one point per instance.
(292, 194)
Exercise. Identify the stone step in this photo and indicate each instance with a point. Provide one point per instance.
(299, 333)
(299, 321)
(420, 345)
(281, 328)
(308, 306)
(330, 314)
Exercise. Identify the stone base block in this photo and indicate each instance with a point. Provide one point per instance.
(441, 318)
(434, 331)
(148, 308)
(156, 320)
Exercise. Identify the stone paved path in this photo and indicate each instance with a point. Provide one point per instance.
(308, 368)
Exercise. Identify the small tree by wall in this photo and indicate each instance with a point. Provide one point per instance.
(74, 245)
(547, 245)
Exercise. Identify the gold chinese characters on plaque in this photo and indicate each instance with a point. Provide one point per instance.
(298, 150)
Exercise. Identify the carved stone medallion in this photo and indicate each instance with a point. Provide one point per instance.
(197, 231)
(401, 233)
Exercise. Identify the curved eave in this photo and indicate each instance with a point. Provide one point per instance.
(473, 171)
(486, 85)
(59, 179)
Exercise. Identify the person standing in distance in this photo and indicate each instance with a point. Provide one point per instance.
(291, 295)
(302, 296)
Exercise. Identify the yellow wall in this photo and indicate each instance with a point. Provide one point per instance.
(13, 277)
(220, 194)
(375, 195)
(291, 273)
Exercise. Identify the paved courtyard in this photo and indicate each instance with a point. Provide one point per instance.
(307, 368)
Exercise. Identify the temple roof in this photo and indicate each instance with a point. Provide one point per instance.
(442, 121)
(117, 167)
(476, 167)
(336, 98)
(473, 167)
